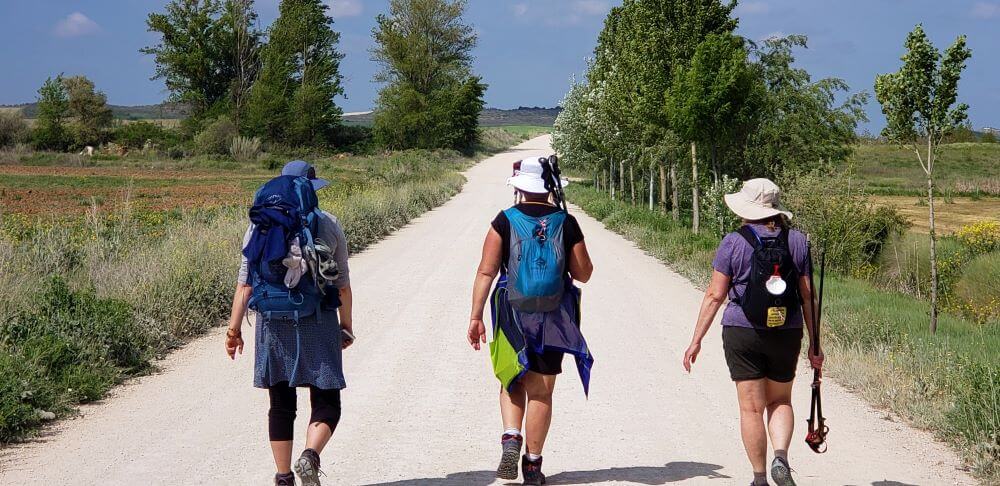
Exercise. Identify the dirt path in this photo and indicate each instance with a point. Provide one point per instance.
(420, 407)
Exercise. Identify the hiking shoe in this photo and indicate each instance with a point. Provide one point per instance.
(284, 479)
(307, 467)
(532, 471)
(781, 472)
(511, 444)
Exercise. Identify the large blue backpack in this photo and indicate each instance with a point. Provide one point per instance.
(537, 268)
(284, 208)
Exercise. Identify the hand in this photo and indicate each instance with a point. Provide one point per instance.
(816, 360)
(234, 342)
(477, 333)
(691, 355)
(344, 341)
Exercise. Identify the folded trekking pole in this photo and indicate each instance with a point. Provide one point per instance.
(556, 182)
(816, 438)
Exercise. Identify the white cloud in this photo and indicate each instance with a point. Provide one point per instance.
(345, 8)
(76, 24)
(520, 9)
(751, 8)
(986, 10)
(591, 7)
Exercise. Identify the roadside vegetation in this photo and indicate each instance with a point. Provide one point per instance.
(676, 110)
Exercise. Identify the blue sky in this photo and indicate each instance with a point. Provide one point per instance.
(528, 49)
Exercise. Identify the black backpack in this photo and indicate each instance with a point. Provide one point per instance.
(756, 301)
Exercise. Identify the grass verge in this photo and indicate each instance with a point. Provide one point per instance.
(876, 341)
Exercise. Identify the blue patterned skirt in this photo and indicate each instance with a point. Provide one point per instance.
(306, 353)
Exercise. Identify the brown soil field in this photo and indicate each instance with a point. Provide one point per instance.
(949, 216)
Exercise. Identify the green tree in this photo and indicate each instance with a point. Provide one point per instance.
(431, 98)
(714, 97)
(196, 53)
(53, 108)
(90, 110)
(801, 124)
(293, 99)
(919, 103)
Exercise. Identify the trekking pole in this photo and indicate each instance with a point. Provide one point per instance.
(557, 175)
(816, 437)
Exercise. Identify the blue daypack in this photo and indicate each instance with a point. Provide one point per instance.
(284, 208)
(537, 267)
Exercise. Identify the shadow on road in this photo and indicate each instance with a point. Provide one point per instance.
(891, 483)
(669, 473)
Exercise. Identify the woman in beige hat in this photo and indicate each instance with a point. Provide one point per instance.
(763, 269)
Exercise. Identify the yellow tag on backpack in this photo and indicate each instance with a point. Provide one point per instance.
(776, 316)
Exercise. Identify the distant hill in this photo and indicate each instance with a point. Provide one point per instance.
(490, 117)
(162, 111)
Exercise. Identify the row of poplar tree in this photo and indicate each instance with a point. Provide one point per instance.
(674, 94)
(280, 84)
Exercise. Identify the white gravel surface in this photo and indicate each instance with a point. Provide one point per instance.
(421, 406)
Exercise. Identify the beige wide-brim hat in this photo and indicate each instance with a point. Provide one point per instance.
(528, 178)
(759, 199)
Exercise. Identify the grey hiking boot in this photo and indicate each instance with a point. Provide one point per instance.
(307, 467)
(532, 471)
(511, 444)
(284, 479)
(781, 472)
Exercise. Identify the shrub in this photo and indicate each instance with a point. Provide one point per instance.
(134, 135)
(13, 129)
(217, 137)
(976, 292)
(981, 237)
(841, 218)
(245, 149)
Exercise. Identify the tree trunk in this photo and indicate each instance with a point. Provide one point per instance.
(695, 213)
(933, 237)
(663, 188)
(675, 206)
(611, 179)
(631, 181)
(716, 172)
(651, 177)
(621, 178)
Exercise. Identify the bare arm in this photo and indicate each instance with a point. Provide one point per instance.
(234, 337)
(808, 302)
(580, 266)
(489, 266)
(715, 296)
(346, 311)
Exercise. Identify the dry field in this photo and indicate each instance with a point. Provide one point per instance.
(949, 216)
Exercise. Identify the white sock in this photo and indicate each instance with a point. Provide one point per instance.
(511, 431)
(533, 457)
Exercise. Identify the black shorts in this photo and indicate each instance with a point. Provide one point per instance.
(753, 354)
(547, 363)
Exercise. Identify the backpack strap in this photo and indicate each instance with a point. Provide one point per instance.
(751, 236)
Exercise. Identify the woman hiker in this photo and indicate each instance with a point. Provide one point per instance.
(304, 352)
(763, 269)
(538, 249)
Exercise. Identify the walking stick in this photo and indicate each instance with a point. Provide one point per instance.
(816, 438)
(556, 183)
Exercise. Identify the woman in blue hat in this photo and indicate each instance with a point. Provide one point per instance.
(306, 354)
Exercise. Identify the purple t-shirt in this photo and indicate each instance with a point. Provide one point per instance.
(733, 260)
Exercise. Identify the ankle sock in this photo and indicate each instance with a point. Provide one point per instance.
(511, 431)
(760, 479)
(533, 457)
(782, 454)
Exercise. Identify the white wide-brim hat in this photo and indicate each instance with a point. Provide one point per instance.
(528, 177)
(758, 199)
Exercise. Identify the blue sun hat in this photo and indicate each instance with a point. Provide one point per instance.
(301, 168)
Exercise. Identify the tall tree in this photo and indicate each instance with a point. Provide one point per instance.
(425, 50)
(919, 103)
(246, 56)
(90, 109)
(195, 55)
(53, 108)
(716, 95)
(293, 99)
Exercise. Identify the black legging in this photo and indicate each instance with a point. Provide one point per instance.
(281, 417)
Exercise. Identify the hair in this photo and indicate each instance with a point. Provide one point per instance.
(774, 222)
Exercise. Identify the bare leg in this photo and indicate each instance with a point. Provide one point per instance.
(780, 417)
(512, 406)
(317, 436)
(539, 389)
(752, 399)
(282, 452)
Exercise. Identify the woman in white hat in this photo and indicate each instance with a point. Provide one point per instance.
(763, 269)
(527, 402)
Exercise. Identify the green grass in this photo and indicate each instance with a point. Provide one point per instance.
(961, 169)
(876, 341)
